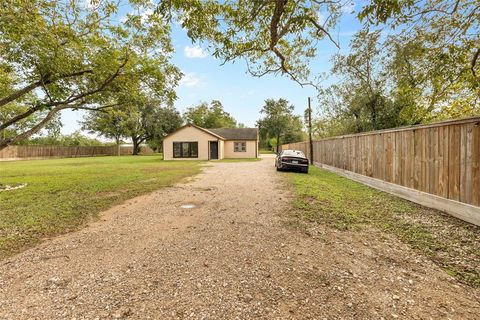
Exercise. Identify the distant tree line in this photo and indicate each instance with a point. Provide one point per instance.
(150, 123)
(138, 124)
(73, 139)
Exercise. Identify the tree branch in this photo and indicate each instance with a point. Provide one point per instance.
(48, 118)
(5, 143)
(19, 117)
(21, 92)
(322, 29)
(474, 62)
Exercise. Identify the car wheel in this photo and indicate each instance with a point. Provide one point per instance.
(305, 170)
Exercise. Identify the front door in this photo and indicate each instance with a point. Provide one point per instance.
(213, 149)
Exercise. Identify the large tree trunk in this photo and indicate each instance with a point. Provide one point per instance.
(117, 142)
(136, 146)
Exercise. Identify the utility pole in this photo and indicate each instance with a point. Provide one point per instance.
(310, 142)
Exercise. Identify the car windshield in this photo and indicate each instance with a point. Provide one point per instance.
(293, 153)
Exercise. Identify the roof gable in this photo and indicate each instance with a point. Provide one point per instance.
(196, 127)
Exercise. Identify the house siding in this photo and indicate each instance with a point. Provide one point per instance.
(191, 134)
(251, 151)
(221, 149)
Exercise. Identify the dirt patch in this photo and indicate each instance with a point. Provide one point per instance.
(10, 187)
(230, 258)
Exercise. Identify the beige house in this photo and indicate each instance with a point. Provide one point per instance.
(192, 142)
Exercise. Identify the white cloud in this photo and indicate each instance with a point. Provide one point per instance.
(194, 52)
(190, 80)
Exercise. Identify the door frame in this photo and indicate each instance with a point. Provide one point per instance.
(209, 151)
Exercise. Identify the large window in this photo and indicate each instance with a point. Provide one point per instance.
(185, 149)
(239, 146)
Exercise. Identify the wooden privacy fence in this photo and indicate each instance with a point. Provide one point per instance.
(440, 159)
(45, 152)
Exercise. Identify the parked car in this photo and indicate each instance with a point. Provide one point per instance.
(291, 160)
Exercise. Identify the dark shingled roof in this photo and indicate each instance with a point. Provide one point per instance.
(236, 133)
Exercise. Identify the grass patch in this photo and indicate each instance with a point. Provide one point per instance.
(265, 151)
(329, 199)
(63, 194)
(239, 160)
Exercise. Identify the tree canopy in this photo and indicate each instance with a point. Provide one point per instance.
(279, 122)
(77, 54)
(57, 55)
(426, 70)
(141, 123)
(209, 116)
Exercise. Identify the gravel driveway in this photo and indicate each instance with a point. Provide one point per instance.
(233, 256)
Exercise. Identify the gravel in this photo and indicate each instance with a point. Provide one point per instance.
(231, 256)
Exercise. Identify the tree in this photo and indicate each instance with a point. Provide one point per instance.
(160, 122)
(360, 100)
(148, 122)
(447, 29)
(75, 54)
(109, 123)
(57, 55)
(213, 116)
(279, 122)
(74, 139)
(429, 80)
(276, 36)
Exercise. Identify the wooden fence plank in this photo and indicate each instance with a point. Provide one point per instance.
(442, 159)
(476, 164)
(454, 163)
(45, 152)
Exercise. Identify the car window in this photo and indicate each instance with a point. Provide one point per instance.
(293, 153)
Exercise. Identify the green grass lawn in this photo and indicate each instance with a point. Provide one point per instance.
(326, 198)
(63, 194)
(266, 151)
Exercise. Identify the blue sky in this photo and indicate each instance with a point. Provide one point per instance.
(241, 94)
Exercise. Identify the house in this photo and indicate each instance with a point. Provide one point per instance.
(192, 142)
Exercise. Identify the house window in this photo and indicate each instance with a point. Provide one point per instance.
(239, 146)
(185, 149)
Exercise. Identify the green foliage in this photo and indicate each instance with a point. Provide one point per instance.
(108, 123)
(213, 116)
(159, 122)
(266, 151)
(359, 101)
(141, 122)
(278, 37)
(63, 194)
(74, 139)
(438, 42)
(403, 81)
(66, 54)
(325, 198)
(278, 122)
